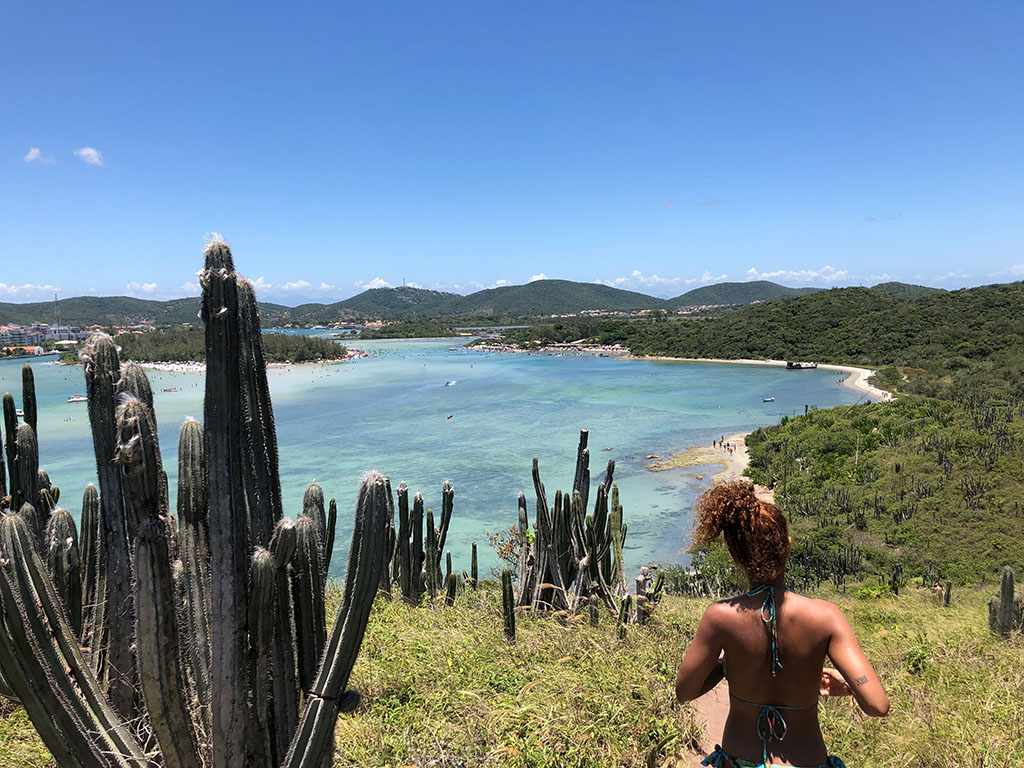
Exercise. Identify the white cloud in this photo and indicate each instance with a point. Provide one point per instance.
(36, 156)
(705, 278)
(27, 292)
(1016, 270)
(502, 283)
(827, 275)
(885, 277)
(534, 278)
(136, 288)
(377, 282)
(89, 155)
(658, 285)
(957, 275)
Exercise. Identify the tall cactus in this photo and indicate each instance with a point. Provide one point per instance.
(89, 553)
(194, 551)
(63, 561)
(508, 605)
(114, 659)
(1006, 610)
(10, 444)
(28, 397)
(27, 468)
(157, 636)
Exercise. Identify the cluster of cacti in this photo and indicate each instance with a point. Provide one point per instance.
(189, 642)
(416, 560)
(572, 555)
(1006, 610)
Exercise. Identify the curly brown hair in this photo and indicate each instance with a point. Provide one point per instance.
(755, 532)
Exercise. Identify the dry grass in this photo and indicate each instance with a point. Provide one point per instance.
(442, 688)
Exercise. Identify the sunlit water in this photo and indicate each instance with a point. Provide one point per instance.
(391, 412)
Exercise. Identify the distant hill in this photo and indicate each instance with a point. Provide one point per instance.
(83, 311)
(540, 297)
(736, 293)
(905, 291)
(546, 297)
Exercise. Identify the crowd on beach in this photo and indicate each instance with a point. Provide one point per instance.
(724, 445)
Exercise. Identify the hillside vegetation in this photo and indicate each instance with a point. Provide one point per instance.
(184, 344)
(541, 297)
(441, 688)
(737, 293)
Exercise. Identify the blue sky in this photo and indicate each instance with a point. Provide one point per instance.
(653, 145)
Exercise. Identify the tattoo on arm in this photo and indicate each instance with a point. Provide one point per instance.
(860, 680)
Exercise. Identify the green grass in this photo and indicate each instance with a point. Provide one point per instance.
(442, 688)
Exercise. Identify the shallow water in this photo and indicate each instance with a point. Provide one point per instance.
(391, 412)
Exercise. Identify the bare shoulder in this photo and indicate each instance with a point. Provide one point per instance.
(822, 612)
(718, 613)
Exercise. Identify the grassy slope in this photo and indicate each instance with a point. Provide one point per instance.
(442, 688)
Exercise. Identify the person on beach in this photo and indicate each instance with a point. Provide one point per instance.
(773, 642)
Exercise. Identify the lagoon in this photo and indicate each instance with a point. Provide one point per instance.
(391, 412)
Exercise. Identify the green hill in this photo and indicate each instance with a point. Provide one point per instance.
(390, 303)
(844, 325)
(83, 311)
(905, 291)
(546, 297)
(736, 293)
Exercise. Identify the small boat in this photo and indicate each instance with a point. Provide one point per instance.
(18, 412)
(78, 399)
(450, 383)
(767, 399)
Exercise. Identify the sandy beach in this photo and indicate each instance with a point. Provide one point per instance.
(733, 463)
(857, 378)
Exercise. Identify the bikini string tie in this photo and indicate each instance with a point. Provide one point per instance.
(768, 617)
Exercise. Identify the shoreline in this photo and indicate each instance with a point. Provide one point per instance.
(733, 464)
(857, 378)
(195, 366)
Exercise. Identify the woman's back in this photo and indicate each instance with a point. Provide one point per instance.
(803, 631)
(771, 644)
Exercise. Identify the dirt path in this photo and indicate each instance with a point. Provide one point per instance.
(711, 710)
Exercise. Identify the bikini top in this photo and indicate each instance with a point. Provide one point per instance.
(771, 725)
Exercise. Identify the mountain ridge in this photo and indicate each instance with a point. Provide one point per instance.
(537, 298)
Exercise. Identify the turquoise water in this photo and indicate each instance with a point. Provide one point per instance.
(390, 412)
